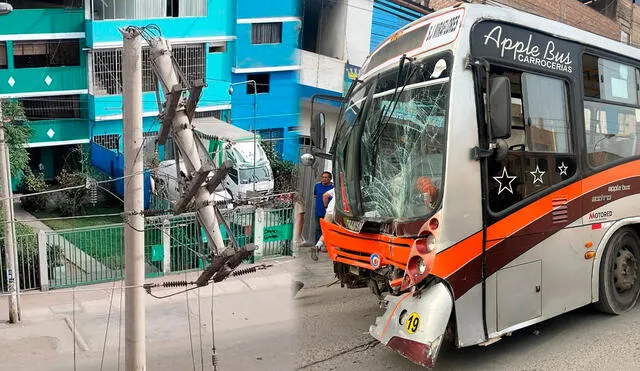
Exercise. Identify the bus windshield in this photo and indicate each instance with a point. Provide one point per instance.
(391, 142)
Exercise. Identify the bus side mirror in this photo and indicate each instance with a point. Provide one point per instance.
(500, 100)
(318, 131)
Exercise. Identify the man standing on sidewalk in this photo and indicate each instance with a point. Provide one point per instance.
(320, 206)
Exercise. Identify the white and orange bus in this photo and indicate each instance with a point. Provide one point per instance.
(487, 170)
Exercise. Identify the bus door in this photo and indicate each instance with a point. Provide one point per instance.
(529, 201)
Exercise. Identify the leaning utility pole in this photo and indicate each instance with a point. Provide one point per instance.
(135, 326)
(9, 247)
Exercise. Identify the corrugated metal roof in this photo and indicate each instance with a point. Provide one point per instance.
(211, 127)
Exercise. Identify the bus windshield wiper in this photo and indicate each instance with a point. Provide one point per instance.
(387, 112)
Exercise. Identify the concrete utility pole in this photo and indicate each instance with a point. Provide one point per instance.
(184, 138)
(135, 326)
(9, 247)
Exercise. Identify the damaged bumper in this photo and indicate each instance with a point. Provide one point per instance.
(414, 326)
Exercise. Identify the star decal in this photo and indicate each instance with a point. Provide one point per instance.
(563, 169)
(507, 183)
(537, 175)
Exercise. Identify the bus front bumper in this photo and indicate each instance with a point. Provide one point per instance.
(414, 326)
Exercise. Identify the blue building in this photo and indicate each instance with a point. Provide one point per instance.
(201, 33)
(337, 37)
(267, 35)
(43, 65)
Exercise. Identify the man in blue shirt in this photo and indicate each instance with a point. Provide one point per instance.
(320, 207)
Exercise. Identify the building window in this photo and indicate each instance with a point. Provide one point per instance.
(3, 55)
(273, 138)
(107, 67)
(214, 114)
(624, 37)
(262, 83)
(190, 58)
(266, 33)
(218, 48)
(109, 141)
(56, 107)
(53, 53)
(145, 9)
(304, 140)
(47, 4)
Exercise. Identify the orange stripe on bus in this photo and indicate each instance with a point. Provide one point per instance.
(456, 256)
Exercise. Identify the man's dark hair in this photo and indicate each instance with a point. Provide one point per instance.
(328, 173)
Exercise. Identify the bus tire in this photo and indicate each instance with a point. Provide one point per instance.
(619, 281)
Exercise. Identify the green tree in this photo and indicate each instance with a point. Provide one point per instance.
(284, 172)
(17, 135)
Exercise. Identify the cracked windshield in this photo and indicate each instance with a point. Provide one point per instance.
(402, 142)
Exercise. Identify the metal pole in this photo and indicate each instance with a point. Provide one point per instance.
(9, 247)
(135, 326)
(12, 226)
(255, 99)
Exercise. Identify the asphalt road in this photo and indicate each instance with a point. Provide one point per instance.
(333, 334)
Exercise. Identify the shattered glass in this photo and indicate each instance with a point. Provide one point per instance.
(402, 151)
(389, 145)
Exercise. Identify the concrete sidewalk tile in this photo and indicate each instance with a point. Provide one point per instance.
(273, 281)
(67, 308)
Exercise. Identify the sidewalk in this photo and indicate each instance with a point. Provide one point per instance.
(59, 325)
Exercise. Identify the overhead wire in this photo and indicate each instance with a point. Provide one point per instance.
(106, 331)
(200, 331)
(120, 322)
(186, 292)
(15, 197)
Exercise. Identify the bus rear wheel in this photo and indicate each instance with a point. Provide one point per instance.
(620, 273)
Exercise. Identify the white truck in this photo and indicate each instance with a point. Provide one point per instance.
(251, 175)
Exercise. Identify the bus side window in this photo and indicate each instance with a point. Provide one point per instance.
(540, 147)
(546, 114)
(611, 110)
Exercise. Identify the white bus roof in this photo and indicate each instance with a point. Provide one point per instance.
(213, 127)
(477, 12)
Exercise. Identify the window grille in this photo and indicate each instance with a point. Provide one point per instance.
(215, 114)
(55, 107)
(109, 141)
(107, 67)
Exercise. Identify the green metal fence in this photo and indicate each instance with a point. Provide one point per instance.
(85, 255)
(27, 263)
(96, 254)
(278, 232)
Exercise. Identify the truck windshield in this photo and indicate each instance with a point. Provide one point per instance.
(244, 153)
(389, 157)
(262, 173)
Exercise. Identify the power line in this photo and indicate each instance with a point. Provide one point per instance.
(15, 197)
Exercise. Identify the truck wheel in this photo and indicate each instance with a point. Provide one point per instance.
(620, 273)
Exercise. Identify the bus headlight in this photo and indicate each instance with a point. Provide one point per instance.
(420, 261)
(422, 266)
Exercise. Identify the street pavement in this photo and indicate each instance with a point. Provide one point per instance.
(334, 322)
(254, 326)
(259, 326)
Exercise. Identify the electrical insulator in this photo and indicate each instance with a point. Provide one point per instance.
(93, 192)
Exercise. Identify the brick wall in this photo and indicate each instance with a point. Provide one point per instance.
(571, 12)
